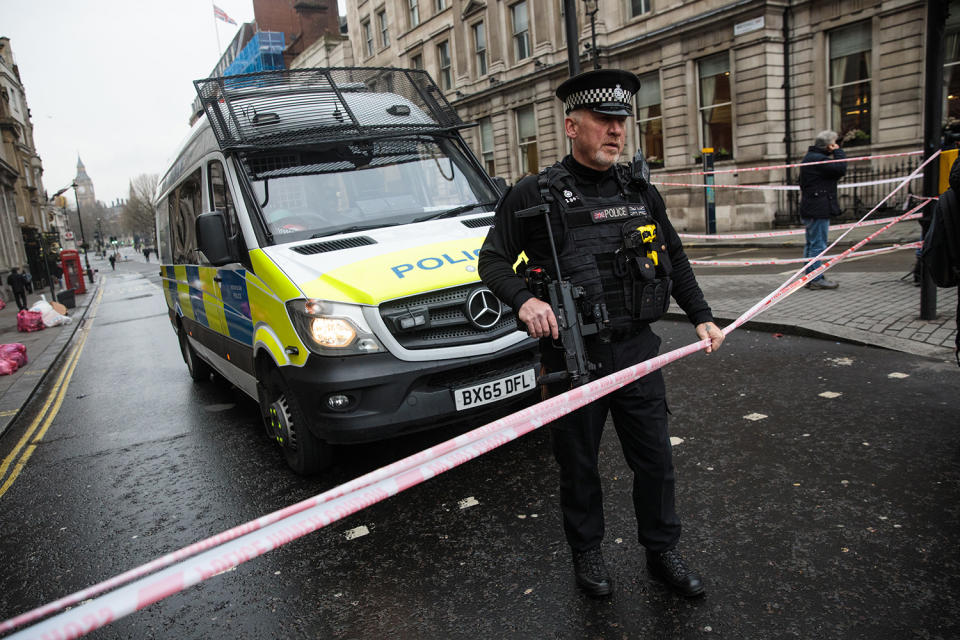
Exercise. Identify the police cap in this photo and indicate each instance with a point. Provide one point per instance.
(607, 91)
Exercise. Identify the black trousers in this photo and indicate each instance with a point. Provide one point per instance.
(21, 298)
(639, 413)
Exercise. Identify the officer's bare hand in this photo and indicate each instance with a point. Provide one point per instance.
(709, 330)
(539, 318)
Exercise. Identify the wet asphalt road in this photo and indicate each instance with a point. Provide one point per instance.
(830, 517)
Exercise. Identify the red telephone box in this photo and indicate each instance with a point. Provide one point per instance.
(72, 270)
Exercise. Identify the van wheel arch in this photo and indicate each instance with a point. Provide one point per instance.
(286, 423)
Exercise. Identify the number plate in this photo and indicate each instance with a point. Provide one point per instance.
(480, 394)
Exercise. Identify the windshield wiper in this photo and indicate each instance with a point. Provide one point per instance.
(450, 213)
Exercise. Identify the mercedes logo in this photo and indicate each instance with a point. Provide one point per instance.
(483, 309)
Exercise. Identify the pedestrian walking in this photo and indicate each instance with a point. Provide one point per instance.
(818, 199)
(18, 283)
(596, 208)
(113, 261)
(146, 254)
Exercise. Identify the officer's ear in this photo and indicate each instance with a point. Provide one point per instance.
(571, 124)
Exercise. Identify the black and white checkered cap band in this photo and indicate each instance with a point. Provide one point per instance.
(596, 96)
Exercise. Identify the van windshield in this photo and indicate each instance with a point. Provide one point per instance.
(316, 192)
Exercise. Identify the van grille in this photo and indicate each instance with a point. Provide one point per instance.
(333, 245)
(446, 323)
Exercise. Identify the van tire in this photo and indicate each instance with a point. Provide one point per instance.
(199, 370)
(286, 424)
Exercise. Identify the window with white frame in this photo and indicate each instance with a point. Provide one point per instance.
(521, 31)
(650, 118)
(480, 48)
(486, 145)
(414, 13)
(368, 37)
(850, 83)
(951, 68)
(440, 5)
(527, 138)
(384, 28)
(639, 7)
(716, 108)
(443, 60)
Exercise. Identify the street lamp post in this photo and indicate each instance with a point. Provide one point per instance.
(591, 8)
(83, 239)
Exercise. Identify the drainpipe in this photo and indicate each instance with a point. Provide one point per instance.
(787, 119)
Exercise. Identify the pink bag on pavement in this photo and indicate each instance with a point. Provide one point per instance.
(15, 352)
(12, 357)
(30, 320)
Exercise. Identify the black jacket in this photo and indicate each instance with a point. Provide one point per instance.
(509, 237)
(818, 183)
(17, 282)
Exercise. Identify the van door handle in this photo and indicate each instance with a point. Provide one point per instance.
(218, 279)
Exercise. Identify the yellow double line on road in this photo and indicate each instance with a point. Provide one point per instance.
(28, 442)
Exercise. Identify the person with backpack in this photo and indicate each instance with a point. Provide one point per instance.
(941, 245)
(19, 286)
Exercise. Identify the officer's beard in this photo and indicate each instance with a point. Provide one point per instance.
(605, 158)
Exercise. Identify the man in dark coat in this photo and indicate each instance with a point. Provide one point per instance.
(19, 285)
(818, 199)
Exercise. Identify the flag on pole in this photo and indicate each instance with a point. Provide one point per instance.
(220, 14)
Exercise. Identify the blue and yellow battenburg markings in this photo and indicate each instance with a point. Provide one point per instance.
(193, 289)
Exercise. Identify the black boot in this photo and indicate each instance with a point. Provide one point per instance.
(670, 567)
(591, 572)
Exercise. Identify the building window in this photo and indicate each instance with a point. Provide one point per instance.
(441, 5)
(521, 31)
(650, 119)
(368, 37)
(443, 59)
(384, 29)
(850, 83)
(486, 145)
(414, 13)
(416, 61)
(716, 111)
(480, 48)
(527, 136)
(639, 7)
(951, 68)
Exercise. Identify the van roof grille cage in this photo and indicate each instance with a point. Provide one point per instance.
(297, 107)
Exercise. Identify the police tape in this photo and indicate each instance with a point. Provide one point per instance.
(754, 263)
(793, 232)
(310, 515)
(778, 187)
(790, 166)
(145, 591)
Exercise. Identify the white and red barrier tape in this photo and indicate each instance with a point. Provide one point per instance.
(778, 187)
(259, 536)
(791, 232)
(767, 261)
(789, 166)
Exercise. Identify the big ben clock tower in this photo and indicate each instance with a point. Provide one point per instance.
(85, 192)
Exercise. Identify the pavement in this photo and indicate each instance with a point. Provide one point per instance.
(876, 308)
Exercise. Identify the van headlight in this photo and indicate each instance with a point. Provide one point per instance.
(331, 329)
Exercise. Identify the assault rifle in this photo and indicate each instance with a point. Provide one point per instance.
(566, 300)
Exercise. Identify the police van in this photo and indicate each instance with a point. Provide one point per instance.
(319, 232)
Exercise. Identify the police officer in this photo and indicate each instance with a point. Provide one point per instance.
(614, 239)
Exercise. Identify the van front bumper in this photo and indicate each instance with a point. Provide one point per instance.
(390, 397)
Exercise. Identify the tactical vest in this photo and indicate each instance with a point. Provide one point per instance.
(612, 247)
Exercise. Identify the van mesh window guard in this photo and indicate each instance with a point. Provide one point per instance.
(300, 107)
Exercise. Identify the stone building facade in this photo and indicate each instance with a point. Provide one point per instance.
(755, 80)
(23, 219)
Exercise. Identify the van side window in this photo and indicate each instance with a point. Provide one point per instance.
(220, 196)
(184, 203)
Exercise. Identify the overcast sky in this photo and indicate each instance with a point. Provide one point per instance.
(111, 80)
